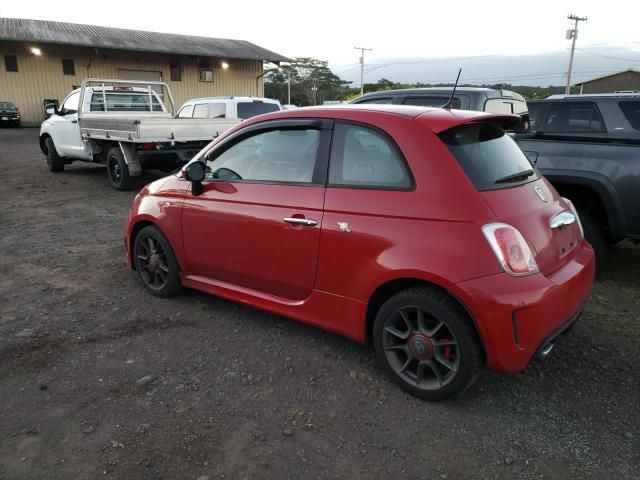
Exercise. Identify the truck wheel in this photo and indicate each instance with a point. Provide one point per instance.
(155, 263)
(54, 161)
(426, 344)
(593, 232)
(118, 170)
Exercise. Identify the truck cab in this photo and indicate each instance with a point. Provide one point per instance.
(62, 125)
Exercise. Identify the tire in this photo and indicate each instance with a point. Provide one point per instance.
(458, 359)
(593, 232)
(54, 161)
(118, 170)
(160, 274)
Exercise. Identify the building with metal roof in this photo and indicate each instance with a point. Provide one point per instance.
(45, 60)
(624, 81)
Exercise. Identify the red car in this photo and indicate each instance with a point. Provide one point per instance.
(424, 231)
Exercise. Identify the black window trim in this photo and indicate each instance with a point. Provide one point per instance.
(321, 168)
(394, 145)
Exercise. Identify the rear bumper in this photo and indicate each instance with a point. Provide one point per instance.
(518, 317)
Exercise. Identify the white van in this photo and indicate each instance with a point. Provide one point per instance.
(228, 107)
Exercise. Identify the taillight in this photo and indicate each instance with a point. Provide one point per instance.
(575, 212)
(511, 249)
(147, 147)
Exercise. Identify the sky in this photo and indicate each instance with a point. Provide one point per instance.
(330, 30)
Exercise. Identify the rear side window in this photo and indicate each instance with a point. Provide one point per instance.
(534, 110)
(574, 117)
(218, 110)
(364, 157)
(377, 101)
(631, 110)
(489, 156)
(251, 109)
(431, 101)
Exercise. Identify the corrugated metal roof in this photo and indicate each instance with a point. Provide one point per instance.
(20, 29)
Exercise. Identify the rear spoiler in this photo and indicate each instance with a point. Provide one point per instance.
(439, 120)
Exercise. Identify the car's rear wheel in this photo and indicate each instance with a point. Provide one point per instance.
(427, 344)
(118, 170)
(155, 263)
(54, 161)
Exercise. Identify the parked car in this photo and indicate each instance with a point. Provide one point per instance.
(228, 107)
(424, 231)
(588, 147)
(465, 98)
(9, 114)
(289, 106)
(125, 125)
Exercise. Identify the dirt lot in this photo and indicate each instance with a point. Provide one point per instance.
(100, 379)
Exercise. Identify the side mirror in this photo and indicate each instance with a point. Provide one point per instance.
(51, 109)
(195, 174)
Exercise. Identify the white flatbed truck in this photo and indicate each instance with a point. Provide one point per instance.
(126, 125)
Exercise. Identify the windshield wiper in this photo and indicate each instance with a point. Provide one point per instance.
(514, 177)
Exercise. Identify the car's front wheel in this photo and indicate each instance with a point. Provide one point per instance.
(156, 263)
(54, 161)
(427, 344)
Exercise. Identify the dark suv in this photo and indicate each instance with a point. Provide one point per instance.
(9, 114)
(465, 98)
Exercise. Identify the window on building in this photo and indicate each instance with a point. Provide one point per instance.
(574, 117)
(68, 68)
(11, 63)
(631, 110)
(176, 73)
(361, 156)
(206, 75)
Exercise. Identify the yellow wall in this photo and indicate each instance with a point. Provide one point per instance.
(41, 77)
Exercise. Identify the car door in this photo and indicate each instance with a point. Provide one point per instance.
(256, 223)
(67, 137)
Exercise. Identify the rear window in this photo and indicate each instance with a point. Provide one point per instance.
(489, 156)
(251, 109)
(432, 101)
(7, 106)
(574, 117)
(631, 110)
(124, 102)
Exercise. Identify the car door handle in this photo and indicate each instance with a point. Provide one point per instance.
(306, 222)
(562, 219)
(74, 121)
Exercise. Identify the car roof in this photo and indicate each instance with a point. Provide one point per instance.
(205, 99)
(474, 91)
(436, 119)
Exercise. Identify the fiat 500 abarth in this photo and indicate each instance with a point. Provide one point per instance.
(424, 231)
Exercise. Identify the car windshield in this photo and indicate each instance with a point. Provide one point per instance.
(251, 109)
(7, 106)
(489, 156)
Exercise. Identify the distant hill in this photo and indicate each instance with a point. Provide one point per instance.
(540, 69)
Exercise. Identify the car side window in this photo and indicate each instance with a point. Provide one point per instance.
(631, 110)
(281, 155)
(70, 105)
(364, 157)
(218, 110)
(378, 101)
(201, 110)
(186, 112)
(574, 117)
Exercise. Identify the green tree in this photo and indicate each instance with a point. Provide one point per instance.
(312, 83)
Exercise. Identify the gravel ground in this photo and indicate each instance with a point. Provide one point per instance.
(100, 379)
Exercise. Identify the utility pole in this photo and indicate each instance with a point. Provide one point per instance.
(572, 34)
(362, 50)
(289, 87)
